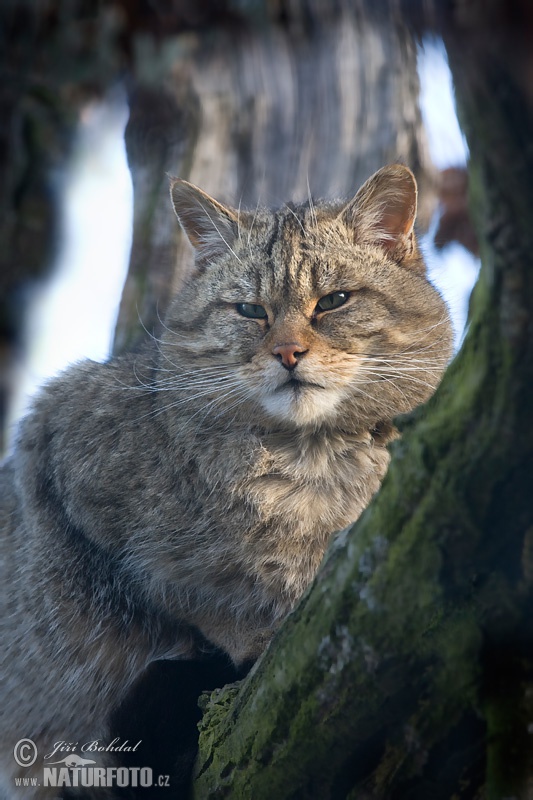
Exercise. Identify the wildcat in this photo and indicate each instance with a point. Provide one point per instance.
(185, 494)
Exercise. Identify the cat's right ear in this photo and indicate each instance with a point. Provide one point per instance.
(383, 211)
(210, 227)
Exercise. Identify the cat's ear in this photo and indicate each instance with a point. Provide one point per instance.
(383, 211)
(210, 227)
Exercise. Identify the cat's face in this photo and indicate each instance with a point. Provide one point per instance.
(312, 314)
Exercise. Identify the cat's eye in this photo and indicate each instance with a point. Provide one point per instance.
(251, 310)
(332, 301)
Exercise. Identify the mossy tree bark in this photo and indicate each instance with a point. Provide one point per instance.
(407, 670)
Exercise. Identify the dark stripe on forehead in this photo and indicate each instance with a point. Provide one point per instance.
(319, 246)
(305, 258)
(309, 254)
(263, 276)
(274, 235)
(290, 234)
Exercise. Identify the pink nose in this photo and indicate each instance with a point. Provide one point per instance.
(288, 353)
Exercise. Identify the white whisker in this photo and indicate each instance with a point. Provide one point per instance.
(213, 223)
(311, 204)
(253, 220)
(297, 218)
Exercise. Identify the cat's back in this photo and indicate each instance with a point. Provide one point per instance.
(11, 532)
(9, 504)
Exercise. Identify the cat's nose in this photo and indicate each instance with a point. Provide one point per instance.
(288, 353)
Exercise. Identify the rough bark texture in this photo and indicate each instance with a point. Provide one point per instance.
(407, 669)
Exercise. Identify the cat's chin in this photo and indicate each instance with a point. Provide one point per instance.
(306, 405)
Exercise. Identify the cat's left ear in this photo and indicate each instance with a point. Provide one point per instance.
(210, 227)
(383, 211)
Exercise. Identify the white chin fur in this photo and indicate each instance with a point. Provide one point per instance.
(309, 406)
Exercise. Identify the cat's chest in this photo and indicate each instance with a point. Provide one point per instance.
(318, 483)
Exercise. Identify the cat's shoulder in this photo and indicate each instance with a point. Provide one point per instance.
(83, 395)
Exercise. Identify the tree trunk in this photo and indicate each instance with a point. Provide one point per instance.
(407, 669)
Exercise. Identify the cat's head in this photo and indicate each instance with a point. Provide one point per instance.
(319, 313)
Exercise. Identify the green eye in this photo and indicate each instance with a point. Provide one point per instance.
(251, 310)
(331, 301)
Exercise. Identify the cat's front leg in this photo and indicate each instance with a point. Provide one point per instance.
(245, 647)
(243, 641)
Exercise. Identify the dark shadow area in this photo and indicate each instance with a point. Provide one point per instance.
(161, 712)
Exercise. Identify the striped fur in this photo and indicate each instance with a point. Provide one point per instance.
(186, 494)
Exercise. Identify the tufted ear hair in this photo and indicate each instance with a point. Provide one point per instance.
(383, 211)
(210, 227)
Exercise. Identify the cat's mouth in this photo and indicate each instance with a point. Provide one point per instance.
(296, 385)
(301, 401)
